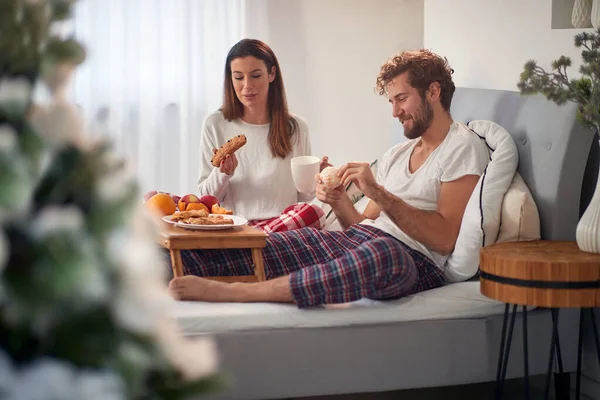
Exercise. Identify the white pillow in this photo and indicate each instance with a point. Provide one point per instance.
(520, 217)
(481, 220)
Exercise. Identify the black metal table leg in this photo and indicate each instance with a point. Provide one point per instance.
(595, 329)
(562, 384)
(579, 351)
(553, 341)
(580, 345)
(526, 353)
(502, 338)
(504, 352)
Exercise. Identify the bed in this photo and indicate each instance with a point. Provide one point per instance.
(446, 336)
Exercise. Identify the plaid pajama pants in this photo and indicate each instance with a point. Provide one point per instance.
(295, 216)
(328, 267)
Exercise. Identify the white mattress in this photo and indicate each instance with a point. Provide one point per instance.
(456, 300)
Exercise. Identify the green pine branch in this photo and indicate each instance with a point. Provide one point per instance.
(559, 88)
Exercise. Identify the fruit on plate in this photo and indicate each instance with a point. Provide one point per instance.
(175, 198)
(209, 201)
(186, 200)
(149, 194)
(161, 204)
(196, 206)
(216, 209)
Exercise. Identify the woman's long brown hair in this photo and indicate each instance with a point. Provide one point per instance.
(283, 126)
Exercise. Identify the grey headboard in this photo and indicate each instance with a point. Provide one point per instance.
(554, 150)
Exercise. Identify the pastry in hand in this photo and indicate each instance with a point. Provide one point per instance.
(330, 178)
(230, 147)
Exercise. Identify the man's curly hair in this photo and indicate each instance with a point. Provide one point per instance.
(423, 67)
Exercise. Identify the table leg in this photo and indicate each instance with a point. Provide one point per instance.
(579, 351)
(176, 263)
(562, 386)
(503, 359)
(526, 351)
(558, 351)
(595, 327)
(259, 268)
(580, 346)
(502, 339)
(553, 342)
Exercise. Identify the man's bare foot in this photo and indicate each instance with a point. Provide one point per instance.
(192, 287)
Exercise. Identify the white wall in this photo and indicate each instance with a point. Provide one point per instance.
(330, 53)
(487, 42)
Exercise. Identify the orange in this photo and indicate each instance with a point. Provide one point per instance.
(161, 204)
(216, 209)
(197, 206)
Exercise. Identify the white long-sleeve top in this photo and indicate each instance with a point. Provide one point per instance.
(261, 186)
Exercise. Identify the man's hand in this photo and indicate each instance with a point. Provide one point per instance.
(229, 164)
(327, 195)
(325, 163)
(360, 173)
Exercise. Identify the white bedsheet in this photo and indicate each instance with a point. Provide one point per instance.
(456, 300)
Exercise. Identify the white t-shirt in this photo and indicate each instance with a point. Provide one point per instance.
(461, 153)
(261, 186)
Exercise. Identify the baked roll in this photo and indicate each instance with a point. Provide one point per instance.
(330, 178)
(230, 147)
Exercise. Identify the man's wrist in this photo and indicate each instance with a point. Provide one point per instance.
(378, 194)
(342, 205)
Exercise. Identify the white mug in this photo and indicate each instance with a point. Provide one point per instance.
(304, 169)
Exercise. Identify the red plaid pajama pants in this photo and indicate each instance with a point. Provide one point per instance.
(295, 216)
(328, 267)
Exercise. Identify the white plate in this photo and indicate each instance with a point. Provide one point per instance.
(167, 219)
(237, 221)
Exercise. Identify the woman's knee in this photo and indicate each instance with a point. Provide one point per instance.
(318, 216)
(305, 215)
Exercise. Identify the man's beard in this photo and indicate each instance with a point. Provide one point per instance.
(421, 121)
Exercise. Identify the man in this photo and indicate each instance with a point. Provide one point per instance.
(399, 244)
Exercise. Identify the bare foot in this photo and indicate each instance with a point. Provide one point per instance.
(191, 287)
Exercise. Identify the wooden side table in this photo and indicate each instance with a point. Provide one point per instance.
(176, 239)
(550, 274)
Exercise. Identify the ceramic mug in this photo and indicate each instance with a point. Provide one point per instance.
(304, 169)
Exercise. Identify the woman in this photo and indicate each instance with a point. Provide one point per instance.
(256, 181)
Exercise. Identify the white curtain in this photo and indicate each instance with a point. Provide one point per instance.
(154, 70)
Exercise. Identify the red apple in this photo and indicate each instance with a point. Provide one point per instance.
(187, 199)
(209, 201)
(149, 194)
(175, 198)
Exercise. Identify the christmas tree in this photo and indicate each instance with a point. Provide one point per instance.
(82, 299)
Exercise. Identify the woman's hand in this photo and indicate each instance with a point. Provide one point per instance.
(229, 164)
(325, 163)
(360, 173)
(328, 195)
